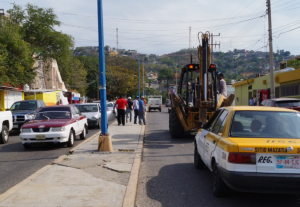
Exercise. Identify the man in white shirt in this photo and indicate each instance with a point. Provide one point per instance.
(136, 108)
(222, 87)
(254, 101)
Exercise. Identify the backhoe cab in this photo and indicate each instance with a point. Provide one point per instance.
(197, 98)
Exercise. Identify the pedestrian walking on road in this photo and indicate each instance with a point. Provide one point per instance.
(129, 110)
(122, 105)
(142, 109)
(136, 109)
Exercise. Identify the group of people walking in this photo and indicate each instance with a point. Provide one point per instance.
(126, 107)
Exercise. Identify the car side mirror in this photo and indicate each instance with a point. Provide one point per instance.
(7, 109)
(76, 115)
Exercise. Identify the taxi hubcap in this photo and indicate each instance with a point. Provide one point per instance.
(5, 135)
(72, 138)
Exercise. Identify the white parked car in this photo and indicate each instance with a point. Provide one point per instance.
(110, 106)
(6, 124)
(93, 113)
(54, 124)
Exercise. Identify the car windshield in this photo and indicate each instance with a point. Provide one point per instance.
(52, 115)
(110, 105)
(265, 124)
(87, 108)
(288, 103)
(23, 106)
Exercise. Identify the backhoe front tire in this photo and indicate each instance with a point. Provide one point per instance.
(175, 128)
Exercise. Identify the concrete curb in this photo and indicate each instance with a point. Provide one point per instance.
(87, 140)
(131, 190)
(24, 182)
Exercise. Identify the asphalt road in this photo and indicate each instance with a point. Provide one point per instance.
(168, 178)
(16, 163)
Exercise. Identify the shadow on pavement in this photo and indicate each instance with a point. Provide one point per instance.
(18, 147)
(173, 189)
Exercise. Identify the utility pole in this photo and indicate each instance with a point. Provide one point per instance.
(104, 140)
(190, 37)
(143, 81)
(139, 78)
(272, 84)
(117, 33)
(212, 46)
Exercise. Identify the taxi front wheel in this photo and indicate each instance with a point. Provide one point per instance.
(219, 186)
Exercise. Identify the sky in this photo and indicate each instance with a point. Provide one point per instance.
(162, 26)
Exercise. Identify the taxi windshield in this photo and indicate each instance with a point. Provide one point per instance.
(53, 115)
(265, 124)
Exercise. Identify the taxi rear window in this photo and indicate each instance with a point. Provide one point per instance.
(265, 124)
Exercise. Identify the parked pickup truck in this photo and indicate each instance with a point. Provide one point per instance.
(23, 111)
(5, 126)
(154, 102)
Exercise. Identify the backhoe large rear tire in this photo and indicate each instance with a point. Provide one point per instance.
(175, 128)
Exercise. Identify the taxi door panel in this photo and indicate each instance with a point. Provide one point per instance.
(211, 141)
(200, 139)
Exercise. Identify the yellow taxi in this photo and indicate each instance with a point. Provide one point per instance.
(251, 149)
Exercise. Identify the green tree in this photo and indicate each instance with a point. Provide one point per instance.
(120, 81)
(75, 74)
(16, 61)
(166, 74)
(294, 64)
(91, 65)
(123, 62)
(38, 29)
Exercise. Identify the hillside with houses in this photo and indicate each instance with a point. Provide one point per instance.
(237, 64)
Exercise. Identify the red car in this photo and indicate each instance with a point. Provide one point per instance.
(54, 124)
(290, 103)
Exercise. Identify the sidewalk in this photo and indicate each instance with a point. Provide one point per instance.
(86, 177)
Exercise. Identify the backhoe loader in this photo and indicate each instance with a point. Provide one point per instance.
(197, 98)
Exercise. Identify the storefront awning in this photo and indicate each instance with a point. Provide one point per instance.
(8, 88)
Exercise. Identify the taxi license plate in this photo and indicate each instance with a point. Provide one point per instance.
(288, 162)
(15, 126)
(40, 137)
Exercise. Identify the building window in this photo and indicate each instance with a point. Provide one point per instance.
(290, 90)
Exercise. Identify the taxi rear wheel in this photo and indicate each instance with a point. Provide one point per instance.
(83, 133)
(219, 186)
(198, 163)
(70, 142)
